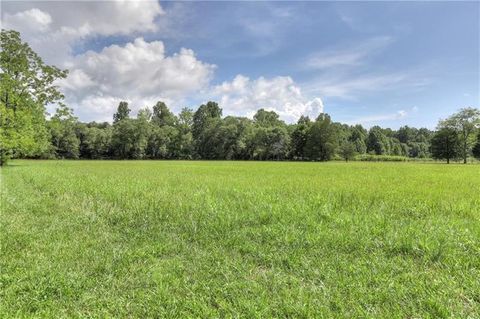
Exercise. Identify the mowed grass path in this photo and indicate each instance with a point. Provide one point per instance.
(239, 239)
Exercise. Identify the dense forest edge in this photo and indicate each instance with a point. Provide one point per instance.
(28, 85)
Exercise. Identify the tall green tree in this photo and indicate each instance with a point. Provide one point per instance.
(205, 119)
(406, 134)
(322, 140)
(161, 142)
(185, 118)
(145, 114)
(162, 116)
(377, 141)
(26, 87)
(299, 137)
(357, 136)
(130, 138)
(476, 147)
(267, 118)
(230, 137)
(464, 122)
(268, 143)
(347, 151)
(123, 112)
(183, 147)
(446, 144)
(96, 142)
(62, 128)
(203, 115)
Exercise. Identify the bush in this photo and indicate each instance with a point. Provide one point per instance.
(381, 158)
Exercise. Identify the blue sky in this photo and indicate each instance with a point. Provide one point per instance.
(386, 63)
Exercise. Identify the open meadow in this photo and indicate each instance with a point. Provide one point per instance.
(239, 239)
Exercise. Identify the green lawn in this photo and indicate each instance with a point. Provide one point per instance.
(239, 239)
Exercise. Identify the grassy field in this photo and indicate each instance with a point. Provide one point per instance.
(239, 239)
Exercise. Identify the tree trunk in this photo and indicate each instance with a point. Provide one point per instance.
(448, 160)
(3, 158)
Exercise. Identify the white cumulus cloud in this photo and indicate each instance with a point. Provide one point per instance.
(138, 71)
(33, 20)
(52, 28)
(280, 94)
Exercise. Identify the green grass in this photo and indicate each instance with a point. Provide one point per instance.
(239, 239)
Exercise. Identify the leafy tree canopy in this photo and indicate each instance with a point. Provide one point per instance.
(27, 85)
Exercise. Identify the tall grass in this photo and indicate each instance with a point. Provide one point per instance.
(239, 239)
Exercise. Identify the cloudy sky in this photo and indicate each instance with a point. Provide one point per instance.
(387, 63)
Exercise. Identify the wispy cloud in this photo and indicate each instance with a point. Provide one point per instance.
(264, 30)
(349, 86)
(347, 56)
(377, 118)
(400, 114)
(348, 72)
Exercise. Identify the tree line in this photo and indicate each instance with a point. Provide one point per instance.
(158, 133)
(28, 85)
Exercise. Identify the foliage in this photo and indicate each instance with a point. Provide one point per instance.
(358, 136)
(380, 158)
(162, 116)
(183, 143)
(130, 138)
(446, 144)
(26, 87)
(347, 151)
(377, 142)
(476, 147)
(464, 123)
(299, 138)
(65, 142)
(95, 141)
(321, 141)
(268, 143)
(122, 113)
(204, 134)
(266, 118)
(205, 120)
